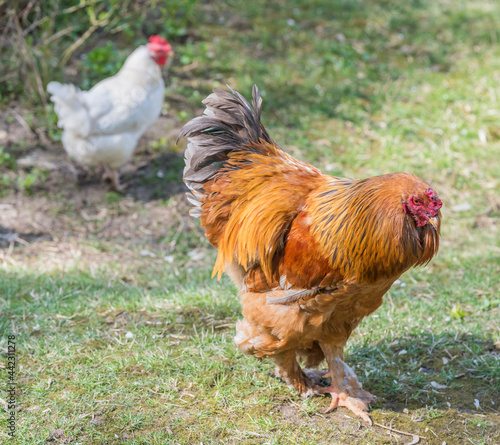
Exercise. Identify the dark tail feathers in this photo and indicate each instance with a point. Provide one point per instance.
(229, 123)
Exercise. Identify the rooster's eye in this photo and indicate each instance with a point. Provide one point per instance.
(416, 201)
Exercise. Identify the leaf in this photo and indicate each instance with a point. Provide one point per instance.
(457, 312)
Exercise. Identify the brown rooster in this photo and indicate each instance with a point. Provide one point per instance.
(311, 254)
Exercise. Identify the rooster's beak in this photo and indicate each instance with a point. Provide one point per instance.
(434, 222)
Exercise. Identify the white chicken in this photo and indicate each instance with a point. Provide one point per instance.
(103, 125)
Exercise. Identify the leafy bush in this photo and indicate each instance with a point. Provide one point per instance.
(40, 39)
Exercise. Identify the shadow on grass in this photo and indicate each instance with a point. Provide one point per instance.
(10, 237)
(335, 58)
(160, 179)
(450, 370)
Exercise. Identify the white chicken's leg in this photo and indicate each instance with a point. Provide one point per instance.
(345, 388)
(105, 172)
(112, 174)
(115, 180)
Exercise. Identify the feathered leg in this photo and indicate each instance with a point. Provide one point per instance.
(345, 388)
(303, 380)
(289, 370)
(249, 336)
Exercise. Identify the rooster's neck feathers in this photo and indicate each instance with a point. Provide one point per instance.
(363, 230)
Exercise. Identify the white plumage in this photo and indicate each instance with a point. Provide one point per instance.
(103, 125)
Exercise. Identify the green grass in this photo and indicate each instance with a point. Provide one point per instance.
(123, 337)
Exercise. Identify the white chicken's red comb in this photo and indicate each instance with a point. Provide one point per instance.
(159, 40)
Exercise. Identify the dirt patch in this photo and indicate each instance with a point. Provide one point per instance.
(72, 204)
(16, 128)
(58, 436)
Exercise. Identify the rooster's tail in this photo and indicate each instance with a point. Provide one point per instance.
(229, 124)
(244, 187)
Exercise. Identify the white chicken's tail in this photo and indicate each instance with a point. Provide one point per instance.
(72, 112)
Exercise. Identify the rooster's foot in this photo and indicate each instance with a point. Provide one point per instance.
(358, 402)
(119, 187)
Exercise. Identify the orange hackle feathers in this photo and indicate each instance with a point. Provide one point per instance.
(362, 229)
(261, 208)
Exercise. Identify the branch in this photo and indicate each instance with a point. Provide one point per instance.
(415, 437)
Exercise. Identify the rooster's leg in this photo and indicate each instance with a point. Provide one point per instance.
(112, 174)
(290, 371)
(302, 380)
(345, 388)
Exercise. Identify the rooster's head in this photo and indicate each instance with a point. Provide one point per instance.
(424, 208)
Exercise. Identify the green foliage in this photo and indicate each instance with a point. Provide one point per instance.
(481, 423)
(27, 182)
(433, 413)
(158, 145)
(172, 17)
(458, 312)
(44, 37)
(103, 61)
(6, 159)
(113, 197)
